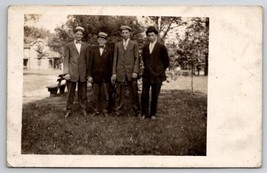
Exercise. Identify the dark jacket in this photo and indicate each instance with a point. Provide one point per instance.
(74, 63)
(100, 66)
(155, 63)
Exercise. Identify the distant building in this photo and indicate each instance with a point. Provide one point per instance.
(38, 55)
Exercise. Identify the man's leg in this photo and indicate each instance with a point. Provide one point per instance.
(96, 99)
(133, 93)
(145, 98)
(154, 99)
(105, 97)
(70, 97)
(82, 95)
(119, 97)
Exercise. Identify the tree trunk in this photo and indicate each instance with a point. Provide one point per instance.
(206, 64)
(192, 79)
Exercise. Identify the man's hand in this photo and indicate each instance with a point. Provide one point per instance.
(67, 77)
(90, 79)
(134, 75)
(113, 78)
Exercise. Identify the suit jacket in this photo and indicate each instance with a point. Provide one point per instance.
(74, 63)
(100, 65)
(155, 63)
(126, 62)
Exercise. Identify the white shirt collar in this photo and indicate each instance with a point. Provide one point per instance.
(126, 41)
(153, 43)
(76, 40)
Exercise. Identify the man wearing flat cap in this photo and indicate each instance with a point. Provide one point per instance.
(76, 61)
(100, 72)
(126, 66)
(156, 61)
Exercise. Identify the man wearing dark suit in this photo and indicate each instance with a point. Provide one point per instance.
(126, 66)
(156, 61)
(76, 60)
(100, 73)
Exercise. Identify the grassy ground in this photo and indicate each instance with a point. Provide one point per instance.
(179, 130)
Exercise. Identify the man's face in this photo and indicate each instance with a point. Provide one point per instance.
(79, 35)
(102, 41)
(125, 34)
(151, 37)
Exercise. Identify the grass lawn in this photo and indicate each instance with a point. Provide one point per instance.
(179, 130)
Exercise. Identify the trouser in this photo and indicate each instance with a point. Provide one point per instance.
(133, 95)
(101, 97)
(82, 95)
(155, 90)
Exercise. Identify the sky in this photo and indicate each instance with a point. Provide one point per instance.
(49, 21)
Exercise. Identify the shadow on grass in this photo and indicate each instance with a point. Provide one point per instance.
(180, 129)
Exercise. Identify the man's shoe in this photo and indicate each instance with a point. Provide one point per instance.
(96, 114)
(68, 113)
(139, 115)
(117, 114)
(105, 114)
(84, 113)
(153, 117)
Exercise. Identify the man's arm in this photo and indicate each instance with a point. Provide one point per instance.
(66, 59)
(114, 66)
(165, 57)
(87, 60)
(136, 58)
(90, 62)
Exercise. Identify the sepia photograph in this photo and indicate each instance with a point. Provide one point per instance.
(115, 85)
(134, 86)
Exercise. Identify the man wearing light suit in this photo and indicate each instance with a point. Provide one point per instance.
(126, 66)
(76, 62)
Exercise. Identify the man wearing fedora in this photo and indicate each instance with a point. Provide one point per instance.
(126, 66)
(75, 68)
(156, 61)
(100, 72)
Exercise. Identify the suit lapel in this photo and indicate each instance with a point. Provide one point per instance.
(74, 47)
(121, 46)
(155, 49)
(104, 51)
(128, 46)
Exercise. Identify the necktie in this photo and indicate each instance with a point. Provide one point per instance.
(78, 42)
(124, 44)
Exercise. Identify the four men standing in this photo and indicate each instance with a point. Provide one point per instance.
(100, 67)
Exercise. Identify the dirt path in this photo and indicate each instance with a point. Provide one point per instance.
(35, 82)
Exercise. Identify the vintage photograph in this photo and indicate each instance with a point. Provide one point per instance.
(115, 85)
(134, 86)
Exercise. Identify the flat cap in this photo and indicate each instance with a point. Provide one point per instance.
(151, 29)
(79, 28)
(102, 35)
(124, 27)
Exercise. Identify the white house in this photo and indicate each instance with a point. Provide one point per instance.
(38, 55)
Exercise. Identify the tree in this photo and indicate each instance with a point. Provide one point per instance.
(33, 33)
(166, 24)
(194, 48)
(94, 24)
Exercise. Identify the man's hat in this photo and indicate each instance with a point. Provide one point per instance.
(151, 29)
(79, 28)
(126, 28)
(102, 35)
